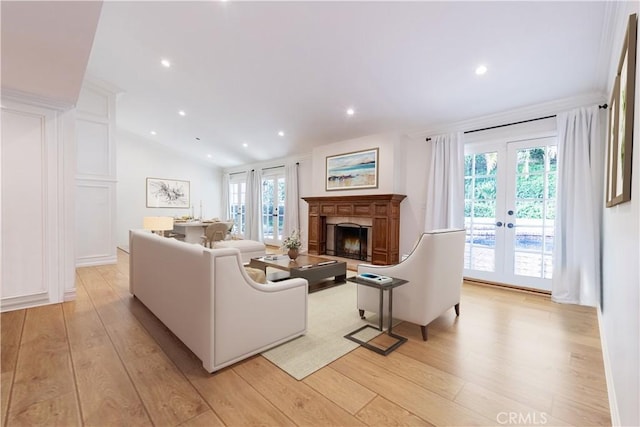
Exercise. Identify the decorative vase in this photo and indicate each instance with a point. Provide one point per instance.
(293, 254)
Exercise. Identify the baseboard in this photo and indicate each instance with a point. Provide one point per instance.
(506, 286)
(25, 301)
(92, 262)
(70, 295)
(611, 391)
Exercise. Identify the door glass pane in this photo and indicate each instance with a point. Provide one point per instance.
(485, 188)
(528, 264)
(273, 194)
(281, 212)
(480, 210)
(237, 206)
(529, 238)
(535, 189)
(268, 208)
(483, 247)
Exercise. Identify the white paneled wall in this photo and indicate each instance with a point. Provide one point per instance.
(95, 176)
(37, 247)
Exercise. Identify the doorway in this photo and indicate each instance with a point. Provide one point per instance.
(510, 205)
(273, 195)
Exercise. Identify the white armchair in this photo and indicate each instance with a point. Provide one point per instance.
(434, 271)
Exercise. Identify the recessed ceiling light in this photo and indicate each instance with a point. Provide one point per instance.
(153, 132)
(245, 145)
(481, 70)
(350, 112)
(182, 113)
(166, 63)
(281, 133)
(209, 156)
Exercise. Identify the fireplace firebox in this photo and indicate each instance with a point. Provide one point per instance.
(351, 241)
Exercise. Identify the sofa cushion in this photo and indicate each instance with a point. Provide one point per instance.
(248, 248)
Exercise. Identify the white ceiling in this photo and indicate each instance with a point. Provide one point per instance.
(242, 71)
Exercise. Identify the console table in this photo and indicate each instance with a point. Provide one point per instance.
(382, 287)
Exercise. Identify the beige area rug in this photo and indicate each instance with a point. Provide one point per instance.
(332, 314)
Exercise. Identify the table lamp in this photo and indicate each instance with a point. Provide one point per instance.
(158, 224)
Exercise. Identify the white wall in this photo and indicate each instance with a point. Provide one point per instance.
(621, 277)
(387, 144)
(139, 159)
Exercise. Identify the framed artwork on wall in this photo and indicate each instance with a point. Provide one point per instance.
(620, 137)
(352, 171)
(167, 193)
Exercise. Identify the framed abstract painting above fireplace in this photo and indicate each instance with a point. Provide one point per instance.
(352, 171)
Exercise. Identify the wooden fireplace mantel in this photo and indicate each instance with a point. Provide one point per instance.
(383, 209)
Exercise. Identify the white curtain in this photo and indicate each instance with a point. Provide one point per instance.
(253, 206)
(291, 200)
(445, 183)
(576, 260)
(224, 203)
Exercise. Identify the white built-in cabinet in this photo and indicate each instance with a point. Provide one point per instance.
(95, 176)
(37, 176)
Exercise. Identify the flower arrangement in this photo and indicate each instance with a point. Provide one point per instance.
(293, 241)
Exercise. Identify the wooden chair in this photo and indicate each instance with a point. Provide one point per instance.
(215, 232)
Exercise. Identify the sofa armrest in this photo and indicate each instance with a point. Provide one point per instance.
(251, 317)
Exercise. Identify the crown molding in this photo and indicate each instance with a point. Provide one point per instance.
(101, 85)
(35, 100)
(514, 115)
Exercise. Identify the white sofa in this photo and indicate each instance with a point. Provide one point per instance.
(248, 248)
(206, 298)
(434, 270)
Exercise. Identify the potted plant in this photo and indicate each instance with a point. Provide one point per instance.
(292, 244)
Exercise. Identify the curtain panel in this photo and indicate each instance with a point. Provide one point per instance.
(578, 224)
(291, 200)
(253, 205)
(224, 203)
(445, 183)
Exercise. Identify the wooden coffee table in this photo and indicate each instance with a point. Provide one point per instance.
(313, 268)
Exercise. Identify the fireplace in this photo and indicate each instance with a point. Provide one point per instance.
(351, 241)
(380, 212)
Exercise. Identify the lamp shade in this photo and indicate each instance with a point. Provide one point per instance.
(157, 223)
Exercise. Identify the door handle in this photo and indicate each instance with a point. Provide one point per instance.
(509, 212)
(499, 224)
(510, 225)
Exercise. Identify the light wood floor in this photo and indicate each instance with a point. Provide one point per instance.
(511, 358)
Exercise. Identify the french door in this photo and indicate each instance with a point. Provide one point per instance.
(273, 195)
(510, 200)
